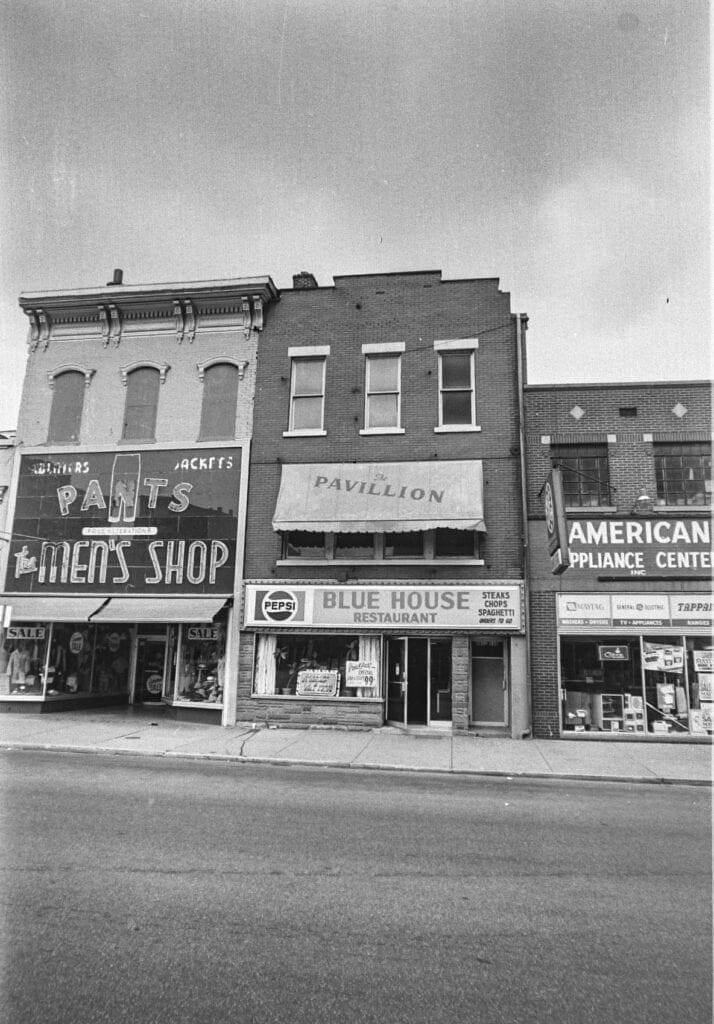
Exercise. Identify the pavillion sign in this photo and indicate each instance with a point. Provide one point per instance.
(127, 522)
(641, 547)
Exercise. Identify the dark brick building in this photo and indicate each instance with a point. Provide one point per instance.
(384, 530)
(621, 641)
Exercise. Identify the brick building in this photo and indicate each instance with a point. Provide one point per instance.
(621, 640)
(384, 532)
(128, 492)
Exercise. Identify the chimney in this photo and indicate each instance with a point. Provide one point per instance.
(117, 279)
(304, 280)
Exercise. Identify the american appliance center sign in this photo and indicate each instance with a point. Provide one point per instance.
(438, 607)
(127, 522)
(641, 547)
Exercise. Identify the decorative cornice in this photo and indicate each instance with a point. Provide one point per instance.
(86, 372)
(163, 369)
(185, 320)
(242, 301)
(202, 367)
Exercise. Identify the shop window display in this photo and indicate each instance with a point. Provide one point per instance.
(601, 685)
(202, 664)
(62, 659)
(700, 671)
(23, 652)
(665, 685)
(317, 666)
(653, 685)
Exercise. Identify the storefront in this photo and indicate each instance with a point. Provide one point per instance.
(636, 664)
(121, 579)
(406, 654)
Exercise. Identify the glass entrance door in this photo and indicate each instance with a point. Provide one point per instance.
(150, 669)
(396, 653)
(418, 680)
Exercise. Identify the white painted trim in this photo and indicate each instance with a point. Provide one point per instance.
(305, 351)
(457, 428)
(456, 344)
(383, 346)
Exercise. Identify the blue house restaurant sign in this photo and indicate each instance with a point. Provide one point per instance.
(132, 522)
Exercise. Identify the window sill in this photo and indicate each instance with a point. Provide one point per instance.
(304, 433)
(383, 430)
(679, 509)
(136, 440)
(583, 509)
(331, 700)
(202, 704)
(457, 428)
(342, 562)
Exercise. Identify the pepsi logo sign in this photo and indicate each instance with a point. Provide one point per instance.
(279, 606)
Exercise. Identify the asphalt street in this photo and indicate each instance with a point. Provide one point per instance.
(157, 891)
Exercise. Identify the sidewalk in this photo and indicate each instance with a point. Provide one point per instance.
(148, 732)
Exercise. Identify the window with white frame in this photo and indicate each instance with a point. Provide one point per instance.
(457, 384)
(307, 390)
(382, 407)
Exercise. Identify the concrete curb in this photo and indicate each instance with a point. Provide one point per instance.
(654, 780)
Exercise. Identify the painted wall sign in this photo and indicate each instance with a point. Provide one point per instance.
(641, 547)
(126, 522)
(436, 607)
(634, 611)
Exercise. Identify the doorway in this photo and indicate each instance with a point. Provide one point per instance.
(150, 669)
(489, 682)
(418, 680)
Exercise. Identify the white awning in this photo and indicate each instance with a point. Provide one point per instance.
(160, 609)
(380, 497)
(52, 608)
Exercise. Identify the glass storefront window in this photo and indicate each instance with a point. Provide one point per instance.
(700, 671)
(601, 685)
(201, 663)
(317, 666)
(23, 652)
(653, 685)
(665, 685)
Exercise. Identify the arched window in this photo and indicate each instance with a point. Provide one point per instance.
(67, 403)
(220, 396)
(142, 398)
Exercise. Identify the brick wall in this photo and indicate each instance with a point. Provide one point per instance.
(629, 441)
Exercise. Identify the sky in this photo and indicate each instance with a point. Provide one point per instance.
(561, 146)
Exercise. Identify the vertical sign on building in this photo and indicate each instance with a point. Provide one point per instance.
(555, 524)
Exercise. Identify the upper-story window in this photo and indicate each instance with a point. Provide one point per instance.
(67, 405)
(307, 390)
(220, 398)
(382, 404)
(683, 473)
(142, 399)
(457, 384)
(359, 548)
(585, 471)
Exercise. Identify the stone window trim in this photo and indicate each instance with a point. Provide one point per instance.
(87, 373)
(141, 364)
(240, 365)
